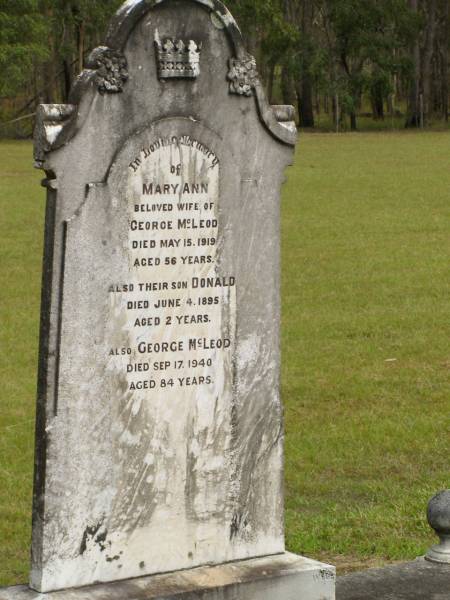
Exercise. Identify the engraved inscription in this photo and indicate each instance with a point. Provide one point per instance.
(177, 307)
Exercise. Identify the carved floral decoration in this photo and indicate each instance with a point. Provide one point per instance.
(112, 70)
(243, 75)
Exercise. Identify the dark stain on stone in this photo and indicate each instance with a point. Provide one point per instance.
(142, 565)
(90, 533)
(101, 539)
(190, 556)
(112, 558)
(237, 523)
(326, 574)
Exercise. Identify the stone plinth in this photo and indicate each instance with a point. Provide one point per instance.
(416, 580)
(283, 577)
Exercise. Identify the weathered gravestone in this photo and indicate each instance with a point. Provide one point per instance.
(159, 434)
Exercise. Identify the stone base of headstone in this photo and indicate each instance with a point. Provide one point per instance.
(282, 577)
(415, 580)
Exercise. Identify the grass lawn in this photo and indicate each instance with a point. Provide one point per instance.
(366, 343)
(366, 353)
(21, 236)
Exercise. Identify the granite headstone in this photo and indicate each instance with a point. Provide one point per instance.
(159, 423)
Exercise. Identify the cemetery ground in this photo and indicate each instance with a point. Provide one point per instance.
(365, 348)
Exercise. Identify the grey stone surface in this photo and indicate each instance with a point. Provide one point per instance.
(284, 577)
(417, 580)
(159, 422)
(438, 515)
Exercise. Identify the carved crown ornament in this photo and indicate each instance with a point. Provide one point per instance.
(177, 59)
(112, 69)
(243, 75)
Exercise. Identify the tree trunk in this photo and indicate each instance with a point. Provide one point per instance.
(391, 104)
(427, 71)
(444, 64)
(304, 90)
(288, 92)
(81, 46)
(306, 110)
(287, 87)
(377, 102)
(413, 116)
(67, 79)
(49, 96)
(353, 125)
(336, 109)
(270, 82)
(317, 106)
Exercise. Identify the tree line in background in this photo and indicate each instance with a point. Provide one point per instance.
(335, 57)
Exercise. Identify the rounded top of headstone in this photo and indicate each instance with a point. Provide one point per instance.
(187, 55)
(131, 11)
(438, 513)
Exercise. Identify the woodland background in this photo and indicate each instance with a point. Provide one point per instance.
(341, 58)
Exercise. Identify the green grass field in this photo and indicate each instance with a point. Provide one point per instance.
(366, 353)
